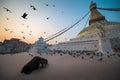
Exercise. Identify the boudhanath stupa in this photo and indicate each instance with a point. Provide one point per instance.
(100, 35)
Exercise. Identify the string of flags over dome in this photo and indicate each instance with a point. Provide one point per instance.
(110, 9)
(93, 6)
(65, 29)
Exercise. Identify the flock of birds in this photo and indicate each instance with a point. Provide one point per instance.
(24, 16)
(99, 56)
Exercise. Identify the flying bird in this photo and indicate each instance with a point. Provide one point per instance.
(24, 15)
(11, 31)
(47, 4)
(33, 7)
(23, 37)
(53, 5)
(55, 41)
(7, 18)
(22, 32)
(44, 32)
(22, 23)
(7, 10)
(62, 11)
(48, 18)
(27, 26)
(6, 29)
(29, 34)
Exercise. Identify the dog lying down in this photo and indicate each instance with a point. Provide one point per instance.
(34, 64)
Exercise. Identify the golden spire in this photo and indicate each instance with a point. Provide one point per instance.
(95, 14)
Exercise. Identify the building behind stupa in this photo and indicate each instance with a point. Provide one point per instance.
(101, 35)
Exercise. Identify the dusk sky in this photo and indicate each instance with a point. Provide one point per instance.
(49, 17)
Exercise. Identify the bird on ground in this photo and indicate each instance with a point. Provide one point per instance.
(100, 59)
(118, 55)
(7, 10)
(74, 56)
(108, 56)
(91, 57)
(82, 57)
(78, 55)
(60, 54)
(31, 55)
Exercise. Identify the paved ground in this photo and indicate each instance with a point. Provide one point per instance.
(63, 67)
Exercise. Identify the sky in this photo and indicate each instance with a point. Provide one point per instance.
(49, 17)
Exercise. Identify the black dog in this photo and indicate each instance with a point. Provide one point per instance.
(34, 64)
